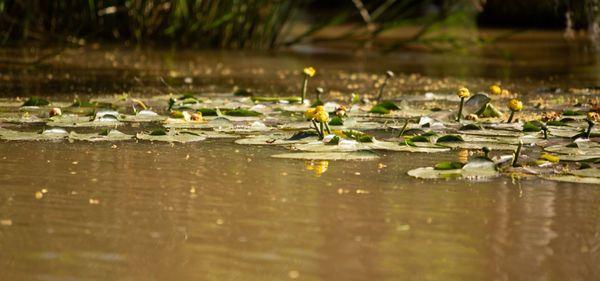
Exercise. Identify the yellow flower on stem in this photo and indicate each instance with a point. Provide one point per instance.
(514, 105)
(495, 90)
(310, 113)
(321, 116)
(462, 93)
(309, 71)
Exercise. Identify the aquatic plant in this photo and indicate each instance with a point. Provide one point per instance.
(462, 93)
(307, 72)
(514, 105)
(388, 75)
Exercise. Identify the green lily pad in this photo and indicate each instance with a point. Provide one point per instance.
(108, 135)
(171, 136)
(489, 111)
(35, 101)
(450, 138)
(573, 179)
(240, 112)
(379, 110)
(278, 99)
(448, 166)
(475, 169)
(332, 156)
(49, 134)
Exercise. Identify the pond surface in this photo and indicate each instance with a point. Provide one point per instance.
(215, 210)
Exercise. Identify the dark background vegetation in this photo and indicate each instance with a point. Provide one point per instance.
(265, 24)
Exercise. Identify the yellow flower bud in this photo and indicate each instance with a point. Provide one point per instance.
(309, 71)
(322, 116)
(495, 90)
(593, 116)
(515, 105)
(310, 113)
(463, 92)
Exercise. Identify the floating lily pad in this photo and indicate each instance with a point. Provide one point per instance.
(332, 156)
(35, 101)
(108, 135)
(171, 136)
(573, 179)
(475, 169)
(49, 134)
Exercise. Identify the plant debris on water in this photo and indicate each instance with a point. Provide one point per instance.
(505, 135)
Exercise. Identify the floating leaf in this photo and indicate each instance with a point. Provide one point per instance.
(108, 135)
(35, 101)
(448, 166)
(573, 179)
(333, 156)
(389, 105)
(171, 136)
(449, 138)
(278, 99)
(379, 110)
(240, 112)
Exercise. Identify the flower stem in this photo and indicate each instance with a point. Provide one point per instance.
(321, 126)
(317, 128)
(327, 128)
(588, 133)
(380, 95)
(304, 86)
(517, 154)
(460, 109)
(510, 117)
(403, 128)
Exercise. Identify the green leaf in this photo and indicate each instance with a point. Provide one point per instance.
(470, 127)
(35, 101)
(242, 92)
(489, 111)
(207, 111)
(336, 121)
(389, 105)
(347, 156)
(532, 126)
(448, 166)
(277, 99)
(240, 112)
(450, 138)
(379, 110)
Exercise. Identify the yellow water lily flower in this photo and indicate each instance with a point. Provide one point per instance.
(322, 116)
(495, 90)
(319, 108)
(463, 92)
(593, 116)
(310, 113)
(309, 71)
(515, 105)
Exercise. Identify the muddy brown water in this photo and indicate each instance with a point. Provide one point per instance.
(215, 210)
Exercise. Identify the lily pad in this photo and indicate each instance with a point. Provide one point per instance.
(49, 134)
(108, 135)
(171, 136)
(332, 156)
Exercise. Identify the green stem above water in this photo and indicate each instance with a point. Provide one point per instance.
(460, 109)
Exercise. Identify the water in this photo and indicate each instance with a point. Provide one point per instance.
(218, 211)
